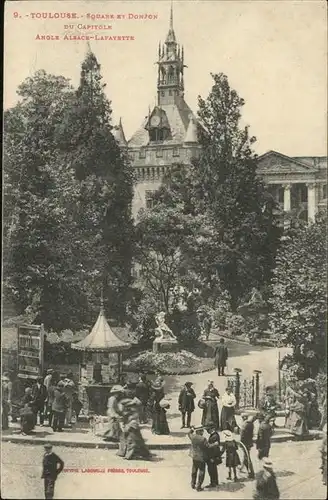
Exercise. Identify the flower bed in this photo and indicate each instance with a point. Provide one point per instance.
(169, 363)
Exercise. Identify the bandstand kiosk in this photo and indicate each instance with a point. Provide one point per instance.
(101, 363)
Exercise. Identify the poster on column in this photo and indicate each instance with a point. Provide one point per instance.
(167, 159)
(30, 351)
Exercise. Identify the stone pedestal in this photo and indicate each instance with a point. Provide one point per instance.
(170, 345)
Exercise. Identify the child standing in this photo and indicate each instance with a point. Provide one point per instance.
(230, 448)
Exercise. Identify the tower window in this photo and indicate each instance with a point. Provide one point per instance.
(162, 93)
(176, 152)
(142, 153)
(157, 135)
(170, 92)
(159, 153)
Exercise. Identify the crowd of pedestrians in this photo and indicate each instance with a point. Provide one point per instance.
(52, 401)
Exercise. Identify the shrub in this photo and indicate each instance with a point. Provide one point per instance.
(235, 323)
(168, 363)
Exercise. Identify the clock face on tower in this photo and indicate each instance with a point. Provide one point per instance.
(155, 121)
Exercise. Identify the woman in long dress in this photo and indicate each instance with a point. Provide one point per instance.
(159, 407)
(132, 444)
(210, 416)
(228, 420)
(296, 421)
(113, 432)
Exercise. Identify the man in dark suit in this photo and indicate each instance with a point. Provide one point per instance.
(263, 442)
(52, 466)
(214, 457)
(221, 356)
(199, 455)
(39, 395)
(246, 437)
(186, 403)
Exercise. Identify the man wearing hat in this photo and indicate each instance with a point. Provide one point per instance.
(199, 455)
(263, 442)
(186, 403)
(52, 466)
(214, 457)
(221, 356)
(266, 484)
(246, 437)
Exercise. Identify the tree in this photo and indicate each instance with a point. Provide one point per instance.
(35, 220)
(103, 211)
(68, 226)
(299, 296)
(229, 234)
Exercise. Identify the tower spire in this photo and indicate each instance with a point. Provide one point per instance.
(170, 68)
(171, 17)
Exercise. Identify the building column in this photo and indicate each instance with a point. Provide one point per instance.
(311, 207)
(287, 202)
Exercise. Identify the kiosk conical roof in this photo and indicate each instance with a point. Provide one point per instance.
(101, 338)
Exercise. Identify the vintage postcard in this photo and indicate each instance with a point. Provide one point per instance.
(164, 250)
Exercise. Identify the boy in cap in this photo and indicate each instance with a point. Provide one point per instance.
(52, 466)
(186, 403)
(266, 483)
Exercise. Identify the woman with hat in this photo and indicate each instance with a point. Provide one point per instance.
(228, 420)
(132, 444)
(266, 484)
(113, 431)
(159, 407)
(186, 403)
(230, 448)
(297, 418)
(210, 416)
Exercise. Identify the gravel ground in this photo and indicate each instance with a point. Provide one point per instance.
(167, 477)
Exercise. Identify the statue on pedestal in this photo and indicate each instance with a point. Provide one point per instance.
(163, 332)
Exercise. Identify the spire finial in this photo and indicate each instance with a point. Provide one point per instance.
(89, 51)
(170, 39)
(171, 16)
(102, 299)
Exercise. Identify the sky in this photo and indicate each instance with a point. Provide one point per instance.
(273, 52)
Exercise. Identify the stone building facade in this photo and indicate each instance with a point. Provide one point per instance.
(168, 135)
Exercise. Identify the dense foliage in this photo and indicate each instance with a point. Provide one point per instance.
(299, 297)
(67, 202)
